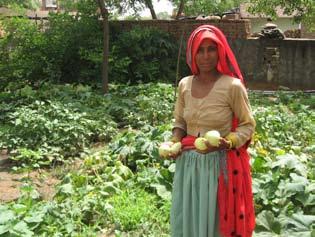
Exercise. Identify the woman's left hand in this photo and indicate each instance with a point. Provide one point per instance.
(224, 144)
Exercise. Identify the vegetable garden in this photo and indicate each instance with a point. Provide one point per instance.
(53, 115)
(122, 185)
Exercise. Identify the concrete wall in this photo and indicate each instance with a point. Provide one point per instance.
(273, 63)
(283, 24)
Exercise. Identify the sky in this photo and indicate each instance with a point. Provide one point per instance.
(159, 6)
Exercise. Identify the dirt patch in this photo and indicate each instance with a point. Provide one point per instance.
(10, 182)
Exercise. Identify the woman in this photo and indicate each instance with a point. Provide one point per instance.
(212, 194)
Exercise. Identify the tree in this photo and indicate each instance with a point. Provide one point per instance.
(121, 6)
(149, 4)
(204, 7)
(104, 6)
(27, 4)
(303, 10)
(180, 10)
(135, 5)
(104, 13)
(138, 5)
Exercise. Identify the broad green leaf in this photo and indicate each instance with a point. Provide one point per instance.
(172, 168)
(34, 194)
(290, 162)
(69, 227)
(280, 152)
(36, 217)
(110, 187)
(266, 221)
(301, 222)
(4, 228)
(255, 186)
(116, 179)
(310, 188)
(148, 147)
(19, 208)
(297, 233)
(103, 193)
(294, 187)
(6, 216)
(309, 201)
(127, 150)
(22, 228)
(290, 187)
(265, 234)
(67, 188)
(162, 191)
(166, 174)
(259, 164)
(124, 172)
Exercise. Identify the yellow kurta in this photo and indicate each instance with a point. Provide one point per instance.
(215, 110)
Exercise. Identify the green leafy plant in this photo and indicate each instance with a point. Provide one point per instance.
(108, 191)
(151, 56)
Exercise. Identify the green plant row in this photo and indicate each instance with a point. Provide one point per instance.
(54, 123)
(125, 188)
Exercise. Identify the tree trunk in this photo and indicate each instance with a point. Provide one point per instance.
(180, 9)
(104, 14)
(149, 5)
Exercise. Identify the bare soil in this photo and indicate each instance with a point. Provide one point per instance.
(10, 181)
(44, 181)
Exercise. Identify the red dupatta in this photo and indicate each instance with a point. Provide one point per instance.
(235, 198)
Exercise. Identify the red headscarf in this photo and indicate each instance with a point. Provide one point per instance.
(227, 63)
(235, 198)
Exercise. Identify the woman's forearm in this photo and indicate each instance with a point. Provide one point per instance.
(178, 134)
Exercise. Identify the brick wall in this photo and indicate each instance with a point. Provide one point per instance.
(233, 29)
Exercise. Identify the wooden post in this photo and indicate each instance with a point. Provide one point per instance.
(178, 60)
(104, 14)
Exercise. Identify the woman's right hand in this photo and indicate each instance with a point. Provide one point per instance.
(175, 156)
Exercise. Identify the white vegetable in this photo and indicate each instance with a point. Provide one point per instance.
(165, 149)
(200, 143)
(175, 148)
(213, 137)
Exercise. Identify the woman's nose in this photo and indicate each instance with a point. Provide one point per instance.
(206, 54)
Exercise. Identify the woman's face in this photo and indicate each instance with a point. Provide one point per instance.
(207, 56)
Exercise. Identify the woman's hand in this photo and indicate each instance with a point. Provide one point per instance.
(170, 149)
(223, 145)
(174, 156)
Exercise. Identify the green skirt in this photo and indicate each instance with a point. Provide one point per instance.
(194, 211)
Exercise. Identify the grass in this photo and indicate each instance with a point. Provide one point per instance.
(139, 213)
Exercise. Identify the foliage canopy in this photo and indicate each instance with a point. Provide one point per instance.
(303, 10)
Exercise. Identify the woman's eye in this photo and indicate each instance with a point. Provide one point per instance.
(212, 48)
(200, 50)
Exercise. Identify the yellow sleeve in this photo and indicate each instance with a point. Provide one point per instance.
(242, 110)
(179, 108)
